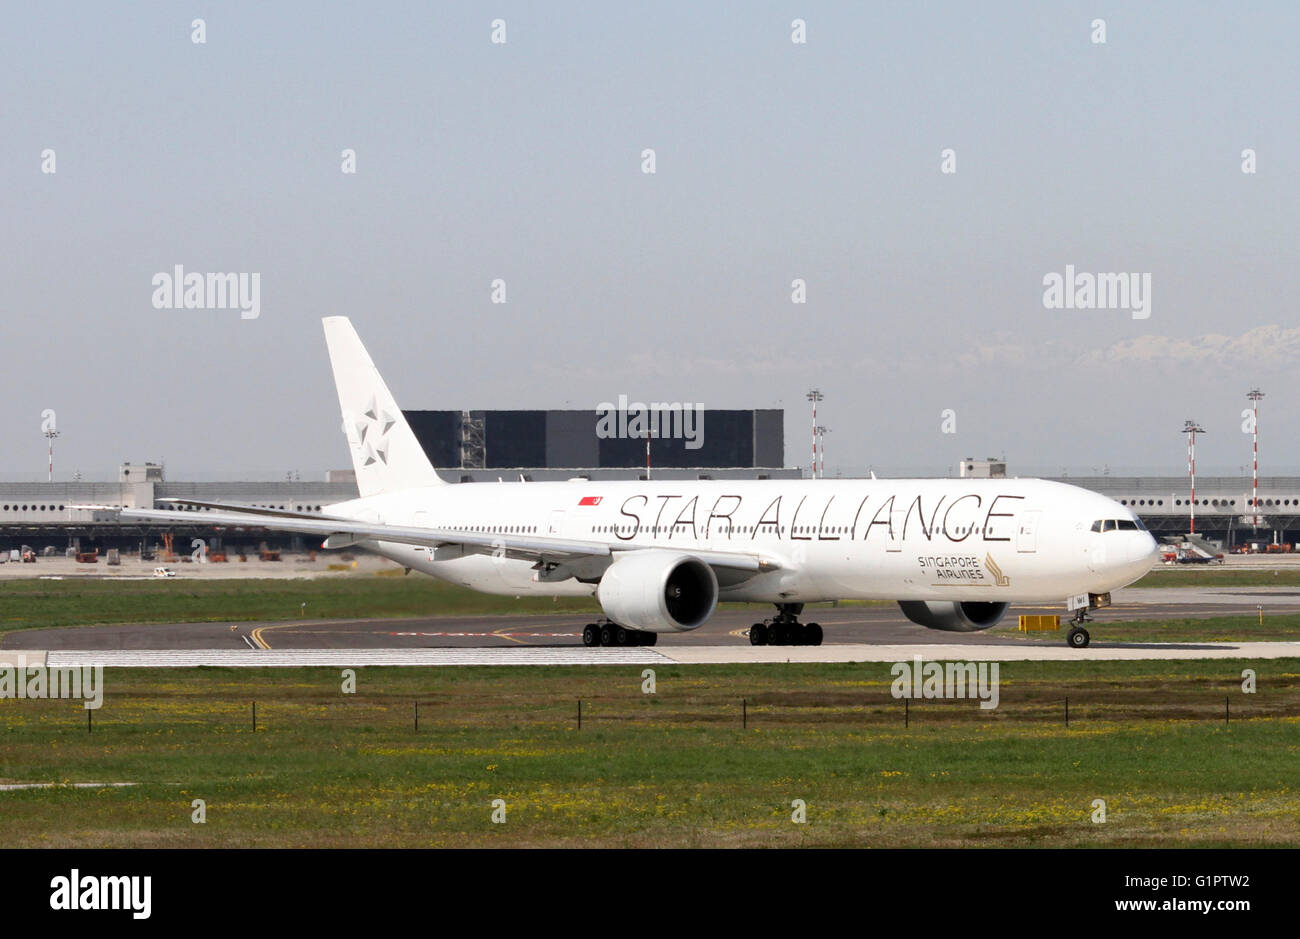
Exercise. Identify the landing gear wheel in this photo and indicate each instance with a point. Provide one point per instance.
(785, 629)
(591, 635)
(649, 639)
(1077, 638)
(758, 634)
(814, 634)
(621, 636)
(607, 635)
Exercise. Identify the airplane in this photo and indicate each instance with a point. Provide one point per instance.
(660, 555)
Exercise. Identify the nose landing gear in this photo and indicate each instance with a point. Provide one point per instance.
(1077, 637)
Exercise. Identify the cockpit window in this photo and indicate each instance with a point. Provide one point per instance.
(1118, 524)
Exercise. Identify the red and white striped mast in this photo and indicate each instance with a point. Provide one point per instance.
(814, 396)
(1191, 429)
(1254, 395)
(50, 435)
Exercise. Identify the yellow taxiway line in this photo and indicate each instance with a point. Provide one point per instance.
(256, 634)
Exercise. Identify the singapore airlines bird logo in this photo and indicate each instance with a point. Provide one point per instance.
(999, 579)
(372, 433)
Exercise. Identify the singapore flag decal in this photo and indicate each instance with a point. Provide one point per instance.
(589, 500)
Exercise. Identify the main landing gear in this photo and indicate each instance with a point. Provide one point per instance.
(784, 629)
(612, 634)
(1077, 637)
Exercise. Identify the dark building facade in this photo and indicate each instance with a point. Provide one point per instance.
(721, 439)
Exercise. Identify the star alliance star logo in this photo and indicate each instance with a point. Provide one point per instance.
(372, 431)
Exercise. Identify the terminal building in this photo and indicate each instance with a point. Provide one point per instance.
(464, 446)
(487, 446)
(1222, 505)
(1164, 503)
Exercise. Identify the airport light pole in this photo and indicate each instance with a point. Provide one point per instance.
(821, 450)
(50, 435)
(814, 396)
(1254, 395)
(1191, 429)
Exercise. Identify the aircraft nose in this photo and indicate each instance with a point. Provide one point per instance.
(1143, 548)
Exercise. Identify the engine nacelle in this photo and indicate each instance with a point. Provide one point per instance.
(965, 617)
(658, 591)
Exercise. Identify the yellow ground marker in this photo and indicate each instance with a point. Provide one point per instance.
(1039, 623)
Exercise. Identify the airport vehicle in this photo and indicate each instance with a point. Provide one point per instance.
(163, 572)
(1191, 549)
(660, 555)
(1192, 557)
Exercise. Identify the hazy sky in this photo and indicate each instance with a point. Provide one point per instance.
(774, 161)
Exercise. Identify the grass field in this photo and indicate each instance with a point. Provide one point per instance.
(42, 604)
(32, 604)
(38, 604)
(674, 768)
(1111, 627)
(1212, 577)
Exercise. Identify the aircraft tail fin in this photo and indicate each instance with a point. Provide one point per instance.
(385, 452)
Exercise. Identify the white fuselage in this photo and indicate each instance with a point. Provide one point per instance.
(998, 540)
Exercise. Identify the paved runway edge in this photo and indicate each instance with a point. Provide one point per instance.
(692, 655)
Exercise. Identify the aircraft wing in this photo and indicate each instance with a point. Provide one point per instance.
(249, 509)
(342, 533)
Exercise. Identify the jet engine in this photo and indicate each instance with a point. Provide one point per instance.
(658, 591)
(965, 617)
